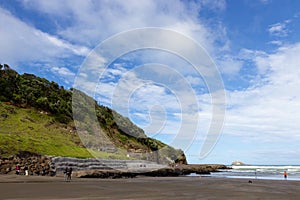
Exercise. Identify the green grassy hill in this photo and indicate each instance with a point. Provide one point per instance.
(27, 129)
(36, 116)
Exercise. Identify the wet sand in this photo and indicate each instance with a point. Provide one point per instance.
(33, 187)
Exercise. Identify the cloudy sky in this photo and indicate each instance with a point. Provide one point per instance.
(253, 46)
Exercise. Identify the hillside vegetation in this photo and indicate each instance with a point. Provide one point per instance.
(36, 116)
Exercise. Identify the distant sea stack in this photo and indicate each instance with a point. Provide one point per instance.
(238, 163)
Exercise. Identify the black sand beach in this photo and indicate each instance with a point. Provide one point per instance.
(34, 187)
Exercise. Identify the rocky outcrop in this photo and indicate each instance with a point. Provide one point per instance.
(161, 172)
(199, 169)
(238, 163)
(98, 168)
(37, 164)
(104, 174)
(91, 164)
(47, 165)
(181, 170)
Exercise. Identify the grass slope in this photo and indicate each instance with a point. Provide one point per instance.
(26, 129)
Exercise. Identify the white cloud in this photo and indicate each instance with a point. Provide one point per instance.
(24, 43)
(86, 23)
(276, 42)
(269, 111)
(94, 21)
(279, 29)
(214, 4)
(229, 65)
(257, 57)
(62, 71)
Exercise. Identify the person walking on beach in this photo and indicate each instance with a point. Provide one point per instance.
(18, 169)
(26, 170)
(66, 173)
(70, 172)
(285, 174)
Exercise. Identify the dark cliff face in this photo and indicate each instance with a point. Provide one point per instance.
(32, 92)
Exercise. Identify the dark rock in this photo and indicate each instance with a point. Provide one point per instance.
(199, 169)
(24, 159)
(113, 174)
(164, 172)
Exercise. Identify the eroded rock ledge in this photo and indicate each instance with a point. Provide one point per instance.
(97, 168)
(163, 172)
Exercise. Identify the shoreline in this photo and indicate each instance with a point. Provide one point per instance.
(141, 187)
(13, 178)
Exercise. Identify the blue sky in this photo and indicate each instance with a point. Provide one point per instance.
(255, 46)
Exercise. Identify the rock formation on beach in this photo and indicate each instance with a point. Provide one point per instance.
(98, 168)
(37, 164)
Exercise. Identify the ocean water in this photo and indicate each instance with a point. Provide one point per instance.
(260, 172)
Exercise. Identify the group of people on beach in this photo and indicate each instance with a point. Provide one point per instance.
(18, 170)
(68, 173)
(43, 172)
